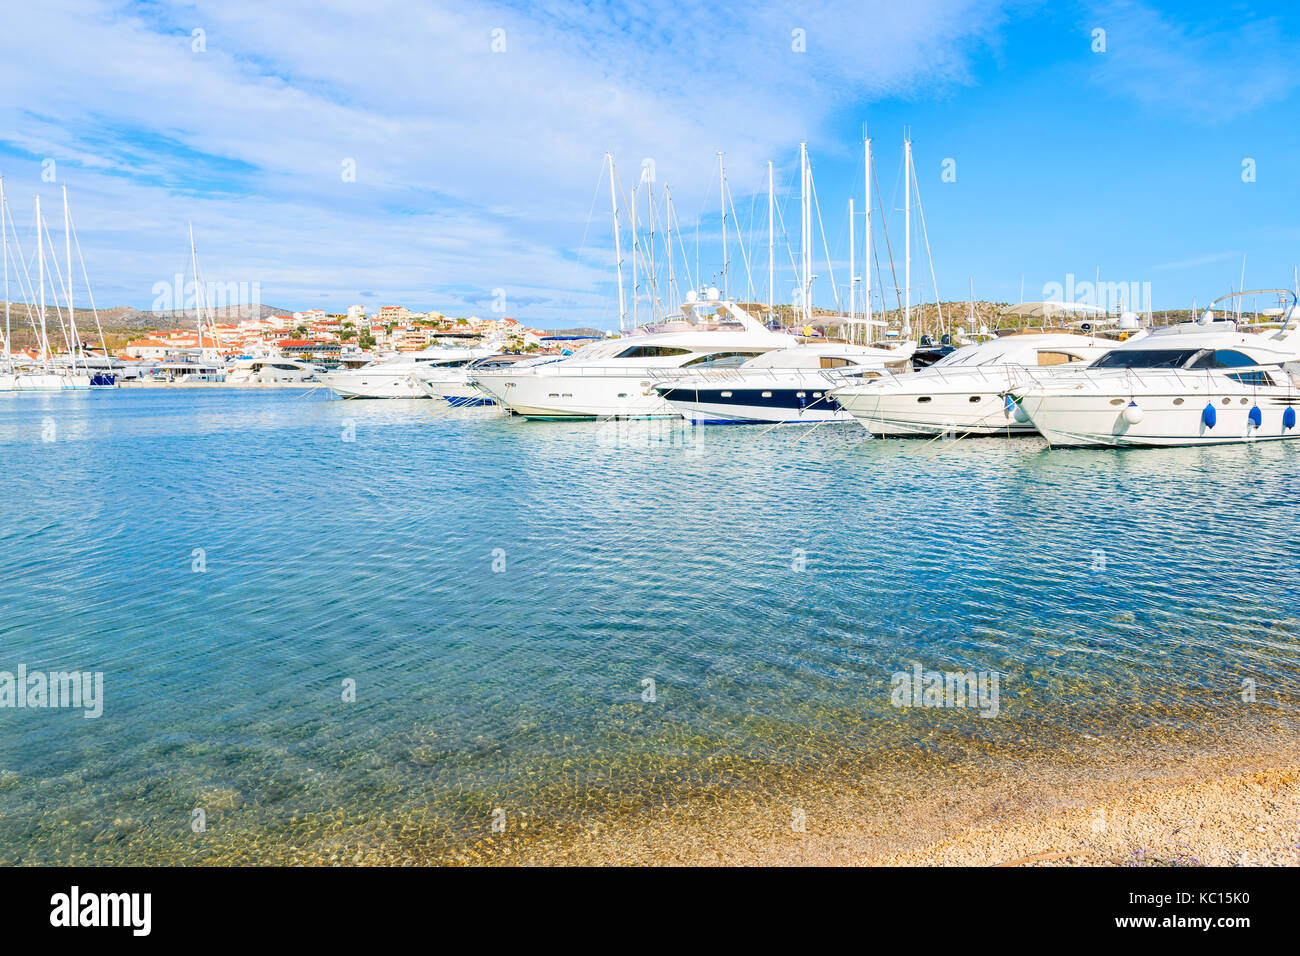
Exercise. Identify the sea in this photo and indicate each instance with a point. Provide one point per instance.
(390, 631)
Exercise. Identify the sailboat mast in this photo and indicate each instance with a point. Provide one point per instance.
(1241, 299)
(636, 291)
(40, 272)
(722, 198)
(651, 270)
(618, 253)
(906, 238)
(853, 280)
(803, 232)
(668, 215)
(67, 241)
(4, 236)
(866, 289)
(198, 311)
(771, 246)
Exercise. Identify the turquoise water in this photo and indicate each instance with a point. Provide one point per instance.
(769, 583)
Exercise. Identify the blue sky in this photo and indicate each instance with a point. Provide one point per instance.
(479, 170)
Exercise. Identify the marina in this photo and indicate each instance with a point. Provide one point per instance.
(585, 436)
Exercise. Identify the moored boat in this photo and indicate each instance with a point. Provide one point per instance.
(1197, 383)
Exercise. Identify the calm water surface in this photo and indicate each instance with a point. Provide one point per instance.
(501, 593)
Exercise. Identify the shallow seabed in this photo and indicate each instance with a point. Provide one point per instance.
(503, 593)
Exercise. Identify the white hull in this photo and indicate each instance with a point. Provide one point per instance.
(1083, 417)
(704, 413)
(931, 408)
(43, 382)
(401, 377)
(964, 393)
(622, 394)
(452, 386)
(374, 385)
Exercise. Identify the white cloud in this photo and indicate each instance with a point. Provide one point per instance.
(475, 169)
(1212, 71)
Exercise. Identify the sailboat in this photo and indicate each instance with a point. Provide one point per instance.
(46, 373)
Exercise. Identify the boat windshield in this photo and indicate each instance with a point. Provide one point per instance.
(966, 355)
(1146, 358)
(722, 359)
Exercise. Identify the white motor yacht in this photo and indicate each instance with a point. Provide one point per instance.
(456, 387)
(615, 378)
(790, 385)
(273, 371)
(964, 392)
(400, 377)
(1196, 383)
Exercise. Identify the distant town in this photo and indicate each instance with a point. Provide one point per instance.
(314, 334)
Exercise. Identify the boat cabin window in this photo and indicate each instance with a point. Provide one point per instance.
(1257, 377)
(652, 351)
(1223, 358)
(721, 359)
(1145, 358)
(835, 361)
(1047, 357)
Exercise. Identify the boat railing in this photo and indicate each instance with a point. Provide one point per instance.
(974, 374)
(815, 377)
(586, 371)
(1146, 378)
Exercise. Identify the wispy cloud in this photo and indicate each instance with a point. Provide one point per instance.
(1213, 66)
(1204, 260)
(475, 132)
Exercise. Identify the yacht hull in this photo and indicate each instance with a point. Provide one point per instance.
(455, 390)
(560, 397)
(44, 382)
(916, 414)
(1075, 419)
(754, 406)
(351, 385)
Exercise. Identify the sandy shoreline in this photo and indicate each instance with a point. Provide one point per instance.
(1207, 810)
